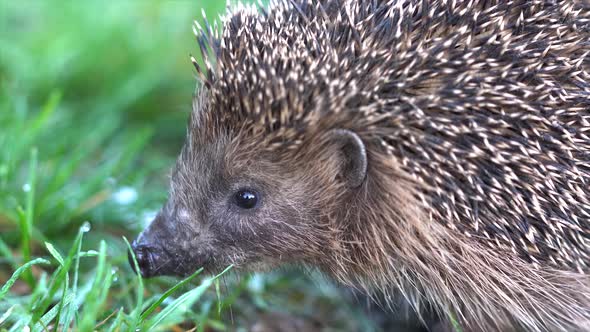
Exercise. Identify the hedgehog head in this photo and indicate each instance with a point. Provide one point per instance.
(268, 154)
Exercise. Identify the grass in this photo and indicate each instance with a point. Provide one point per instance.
(94, 98)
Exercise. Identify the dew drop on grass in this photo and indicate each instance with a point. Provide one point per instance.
(26, 187)
(114, 272)
(85, 227)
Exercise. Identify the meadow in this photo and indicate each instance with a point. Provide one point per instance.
(94, 98)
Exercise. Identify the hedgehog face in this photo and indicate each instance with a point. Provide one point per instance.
(233, 205)
(225, 207)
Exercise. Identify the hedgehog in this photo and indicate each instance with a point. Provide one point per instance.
(434, 150)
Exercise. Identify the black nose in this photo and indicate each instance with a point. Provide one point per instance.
(146, 257)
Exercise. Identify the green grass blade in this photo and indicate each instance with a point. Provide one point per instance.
(185, 300)
(46, 319)
(7, 314)
(116, 325)
(97, 296)
(50, 315)
(64, 299)
(455, 323)
(169, 292)
(26, 223)
(21, 324)
(18, 272)
(89, 253)
(218, 294)
(5, 252)
(70, 310)
(136, 314)
(60, 277)
(38, 292)
(48, 108)
(58, 257)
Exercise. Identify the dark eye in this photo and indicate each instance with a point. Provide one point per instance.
(246, 198)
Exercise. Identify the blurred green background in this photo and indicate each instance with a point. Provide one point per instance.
(94, 97)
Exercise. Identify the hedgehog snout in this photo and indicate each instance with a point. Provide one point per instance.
(149, 259)
(152, 258)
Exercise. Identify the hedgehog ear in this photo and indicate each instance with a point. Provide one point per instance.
(354, 168)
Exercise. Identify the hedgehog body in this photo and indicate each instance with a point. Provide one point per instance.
(472, 120)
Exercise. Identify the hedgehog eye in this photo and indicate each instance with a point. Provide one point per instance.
(246, 198)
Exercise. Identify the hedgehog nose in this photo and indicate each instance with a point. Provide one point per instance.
(146, 256)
